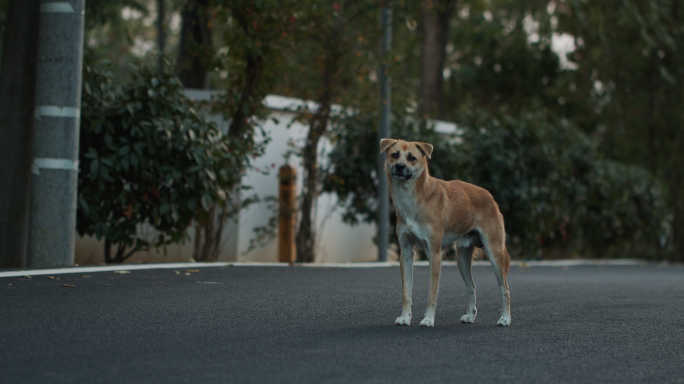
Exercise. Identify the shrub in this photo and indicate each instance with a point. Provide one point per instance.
(553, 187)
(148, 157)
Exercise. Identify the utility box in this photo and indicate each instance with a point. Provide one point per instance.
(287, 213)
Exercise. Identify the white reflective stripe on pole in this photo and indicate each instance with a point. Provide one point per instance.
(56, 8)
(57, 111)
(46, 163)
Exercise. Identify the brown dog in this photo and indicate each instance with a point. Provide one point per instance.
(433, 213)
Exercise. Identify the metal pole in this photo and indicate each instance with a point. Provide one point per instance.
(52, 217)
(383, 132)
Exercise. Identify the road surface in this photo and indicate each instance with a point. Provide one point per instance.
(584, 324)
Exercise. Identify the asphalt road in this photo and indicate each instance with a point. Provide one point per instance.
(313, 325)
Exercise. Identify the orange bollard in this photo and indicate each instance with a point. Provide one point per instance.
(287, 213)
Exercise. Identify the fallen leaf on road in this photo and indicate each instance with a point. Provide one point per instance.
(187, 274)
(176, 272)
(192, 270)
(50, 277)
(9, 284)
(28, 277)
(122, 272)
(68, 285)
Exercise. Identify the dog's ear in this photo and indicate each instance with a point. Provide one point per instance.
(385, 144)
(425, 148)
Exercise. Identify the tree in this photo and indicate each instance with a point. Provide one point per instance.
(328, 65)
(253, 34)
(17, 99)
(628, 90)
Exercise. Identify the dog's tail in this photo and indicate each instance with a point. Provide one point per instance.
(480, 254)
(507, 261)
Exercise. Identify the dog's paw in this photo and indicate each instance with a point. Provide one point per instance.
(403, 320)
(468, 319)
(428, 322)
(504, 320)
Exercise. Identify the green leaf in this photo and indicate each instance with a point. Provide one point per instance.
(94, 167)
(206, 201)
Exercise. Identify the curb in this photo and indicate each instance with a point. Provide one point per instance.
(386, 264)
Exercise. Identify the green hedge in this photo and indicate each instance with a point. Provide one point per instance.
(555, 190)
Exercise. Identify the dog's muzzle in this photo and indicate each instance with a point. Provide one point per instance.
(401, 171)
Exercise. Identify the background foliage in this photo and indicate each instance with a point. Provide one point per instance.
(556, 191)
(569, 111)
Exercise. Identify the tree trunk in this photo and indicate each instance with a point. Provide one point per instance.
(253, 71)
(194, 38)
(121, 254)
(677, 227)
(17, 98)
(675, 181)
(161, 33)
(306, 235)
(204, 250)
(435, 16)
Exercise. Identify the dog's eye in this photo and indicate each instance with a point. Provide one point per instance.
(395, 155)
(410, 157)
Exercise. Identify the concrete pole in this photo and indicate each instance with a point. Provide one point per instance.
(383, 132)
(52, 217)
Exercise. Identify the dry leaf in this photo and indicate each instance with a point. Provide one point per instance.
(50, 277)
(68, 285)
(176, 272)
(187, 274)
(28, 277)
(192, 270)
(122, 272)
(9, 284)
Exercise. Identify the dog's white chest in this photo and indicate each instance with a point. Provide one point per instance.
(408, 209)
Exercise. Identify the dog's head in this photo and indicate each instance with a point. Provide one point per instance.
(405, 160)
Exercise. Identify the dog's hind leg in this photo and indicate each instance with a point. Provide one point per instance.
(464, 257)
(435, 255)
(498, 256)
(406, 266)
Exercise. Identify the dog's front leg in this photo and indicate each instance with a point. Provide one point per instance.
(406, 266)
(435, 255)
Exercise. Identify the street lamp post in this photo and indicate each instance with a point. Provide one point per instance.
(383, 132)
